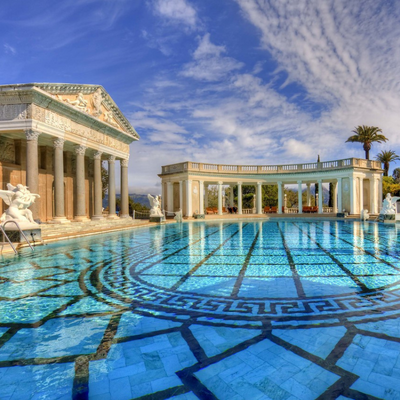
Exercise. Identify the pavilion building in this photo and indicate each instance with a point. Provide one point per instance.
(53, 139)
(357, 184)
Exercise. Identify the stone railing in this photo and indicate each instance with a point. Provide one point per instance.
(270, 169)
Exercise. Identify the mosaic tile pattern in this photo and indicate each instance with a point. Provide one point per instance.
(248, 310)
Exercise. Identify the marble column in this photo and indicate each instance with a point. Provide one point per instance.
(220, 198)
(308, 194)
(189, 212)
(206, 195)
(259, 198)
(380, 195)
(339, 195)
(124, 212)
(300, 196)
(201, 197)
(32, 169)
(280, 198)
(351, 187)
(98, 187)
(240, 202)
(361, 200)
(181, 195)
(59, 206)
(320, 197)
(80, 198)
(231, 197)
(334, 199)
(372, 195)
(170, 197)
(111, 188)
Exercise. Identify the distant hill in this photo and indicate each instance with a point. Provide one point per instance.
(137, 198)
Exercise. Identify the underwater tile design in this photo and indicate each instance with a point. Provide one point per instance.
(205, 310)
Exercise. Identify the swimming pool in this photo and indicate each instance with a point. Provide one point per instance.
(243, 310)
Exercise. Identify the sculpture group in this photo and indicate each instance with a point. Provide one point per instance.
(389, 205)
(155, 204)
(19, 199)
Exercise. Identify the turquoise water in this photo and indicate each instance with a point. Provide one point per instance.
(248, 310)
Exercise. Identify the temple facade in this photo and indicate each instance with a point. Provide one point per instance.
(53, 139)
(357, 185)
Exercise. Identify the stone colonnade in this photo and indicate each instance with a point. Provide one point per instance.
(32, 180)
(353, 184)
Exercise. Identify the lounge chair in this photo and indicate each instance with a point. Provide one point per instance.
(274, 209)
(209, 210)
(267, 209)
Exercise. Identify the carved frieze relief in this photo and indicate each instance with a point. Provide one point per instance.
(68, 126)
(13, 112)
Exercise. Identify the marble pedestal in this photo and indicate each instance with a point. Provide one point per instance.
(33, 233)
(157, 218)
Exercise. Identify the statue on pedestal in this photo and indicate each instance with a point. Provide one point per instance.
(155, 204)
(19, 199)
(389, 205)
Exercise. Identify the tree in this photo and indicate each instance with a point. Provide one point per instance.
(390, 186)
(367, 135)
(386, 157)
(396, 175)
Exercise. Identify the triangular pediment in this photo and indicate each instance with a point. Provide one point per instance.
(92, 100)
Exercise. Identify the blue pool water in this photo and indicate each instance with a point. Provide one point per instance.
(224, 310)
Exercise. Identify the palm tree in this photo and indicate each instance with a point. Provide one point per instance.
(386, 157)
(367, 135)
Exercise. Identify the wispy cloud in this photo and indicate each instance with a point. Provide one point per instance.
(9, 49)
(209, 63)
(346, 56)
(177, 12)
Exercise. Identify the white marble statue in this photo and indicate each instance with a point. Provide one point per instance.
(155, 204)
(389, 205)
(79, 103)
(178, 216)
(19, 199)
(364, 215)
(96, 101)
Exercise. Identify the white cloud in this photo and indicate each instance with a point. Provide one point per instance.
(177, 11)
(9, 49)
(346, 56)
(209, 64)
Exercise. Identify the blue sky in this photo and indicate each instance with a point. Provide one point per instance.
(226, 81)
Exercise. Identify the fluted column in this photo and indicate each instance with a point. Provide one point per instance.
(259, 198)
(339, 195)
(351, 187)
(240, 202)
(320, 197)
(334, 199)
(111, 188)
(59, 206)
(32, 169)
(80, 184)
(361, 199)
(124, 213)
(280, 198)
(372, 195)
(189, 198)
(220, 198)
(308, 194)
(181, 195)
(170, 197)
(300, 196)
(201, 197)
(98, 187)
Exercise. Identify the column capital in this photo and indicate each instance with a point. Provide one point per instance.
(189, 181)
(279, 183)
(259, 183)
(220, 183)
(32, 135)
(124, 162)
(299, 182)
(239, 183)
(169, 183)
(97, 155)
(80, 150)
(320, 181)
(58, 143)
(111, 159)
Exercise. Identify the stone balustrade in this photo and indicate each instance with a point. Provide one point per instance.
(271, 169)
